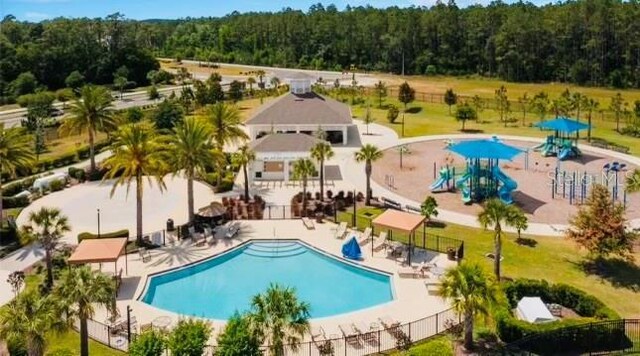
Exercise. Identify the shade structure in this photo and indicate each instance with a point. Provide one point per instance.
(351, 250)
(485, 149)
(98, 251)
(399, 220)
(563, 124)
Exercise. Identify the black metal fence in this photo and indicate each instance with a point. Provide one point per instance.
(115, 337)
(422, 239)
(604, 337)
(376, 341)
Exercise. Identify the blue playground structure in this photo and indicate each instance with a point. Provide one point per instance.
(482, 177)
(562, 144)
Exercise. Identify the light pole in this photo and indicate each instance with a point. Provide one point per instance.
(403, 124)
(98, 223)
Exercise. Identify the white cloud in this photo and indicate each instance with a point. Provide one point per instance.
(31, 15)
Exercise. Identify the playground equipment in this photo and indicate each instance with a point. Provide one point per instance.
(563, 144)
(446, 174)
(482, 177)
(576, 186)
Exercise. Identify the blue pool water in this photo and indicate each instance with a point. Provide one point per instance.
(217, 287)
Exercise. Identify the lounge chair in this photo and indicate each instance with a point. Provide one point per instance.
(144, 254)
(197, 237)
(365, 237)
(308, 223)
(381, 242)
(351, 334)
(156, 238)
(341, 231)
(409, 272)
(388, 322)
(232, 231)
(433, 288)
(368, 335)
(318, 335)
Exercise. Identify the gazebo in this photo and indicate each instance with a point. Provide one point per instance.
(395, 220)
(483, 177)
(563, 143)
(100, 251)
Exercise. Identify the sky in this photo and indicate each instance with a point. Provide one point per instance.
(38, 10)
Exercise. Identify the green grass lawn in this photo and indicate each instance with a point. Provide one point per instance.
(434, 119)
(70, 341)
(552, 258)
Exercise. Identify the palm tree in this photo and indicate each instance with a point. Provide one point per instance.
(589, 105)
(81, 290)
(226, 123)
(91, 112)
(28, 319)
(368, 154)
(192, 151)
(48, 226)
(137, 152)
(260, 73)
(304, 168)
(251, 81)
(16, 153)
(321, 152)
(278, 317)
(496, 213)
(275, 82)
(633, 181)
(242, 158)
(471, 291)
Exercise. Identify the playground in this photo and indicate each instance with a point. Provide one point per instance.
(460, 174)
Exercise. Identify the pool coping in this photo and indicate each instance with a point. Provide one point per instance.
(141, 291)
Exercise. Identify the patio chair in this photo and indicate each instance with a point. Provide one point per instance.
(197, 237)
(318, 335)
(433, 288)
(351, 334)
(367, 334)
(156, 238)
(365, 237)
(145, 256)
(341, 231)
(389, 322)
(308, 223)
(381, 242)
(232, 231)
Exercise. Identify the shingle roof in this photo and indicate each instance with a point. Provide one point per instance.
(284, 142)
(302, 109)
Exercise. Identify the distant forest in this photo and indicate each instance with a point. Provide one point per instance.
(592, 42)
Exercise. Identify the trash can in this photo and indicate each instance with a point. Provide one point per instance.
(170, 225)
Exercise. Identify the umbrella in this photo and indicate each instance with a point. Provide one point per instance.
(213, 210)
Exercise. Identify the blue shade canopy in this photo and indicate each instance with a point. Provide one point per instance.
(485, 149)
(563, 124)
(351, 250)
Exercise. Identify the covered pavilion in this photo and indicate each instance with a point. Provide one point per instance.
(100, 251)
(563, 143)
(396, 220)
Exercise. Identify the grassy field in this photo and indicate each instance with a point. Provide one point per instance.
(485, 87)
(551, 258)
(70, 341)
(434, 119)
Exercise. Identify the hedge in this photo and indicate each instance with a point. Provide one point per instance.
(511, 329)
(110, 235)
(14, 202)
(14, 188)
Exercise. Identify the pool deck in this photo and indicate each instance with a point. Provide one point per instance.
(411, 301)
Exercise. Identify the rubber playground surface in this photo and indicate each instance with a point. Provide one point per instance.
(533, 194)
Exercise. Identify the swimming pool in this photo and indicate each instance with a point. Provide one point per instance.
(217, 287)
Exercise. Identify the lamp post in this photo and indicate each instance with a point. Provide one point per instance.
(98, 223)
(403, 124)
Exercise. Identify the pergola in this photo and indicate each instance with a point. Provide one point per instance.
(100, 251)
(396, 220)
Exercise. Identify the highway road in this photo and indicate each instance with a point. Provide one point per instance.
(13, 117)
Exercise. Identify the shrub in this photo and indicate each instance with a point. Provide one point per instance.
(14, 188)
(96, 175)
(109, 235)
(14, 202)
(237, 340)
(149, 343)
(189, 338)
(77, 173)
(56, 185)
(392, 113)
(510, 329)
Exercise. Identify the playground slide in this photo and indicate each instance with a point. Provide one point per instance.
(462, 180)
(438, 184)
(565, 153)
(508, 186)
(548, 150)
(539, 147)
(466, 194)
